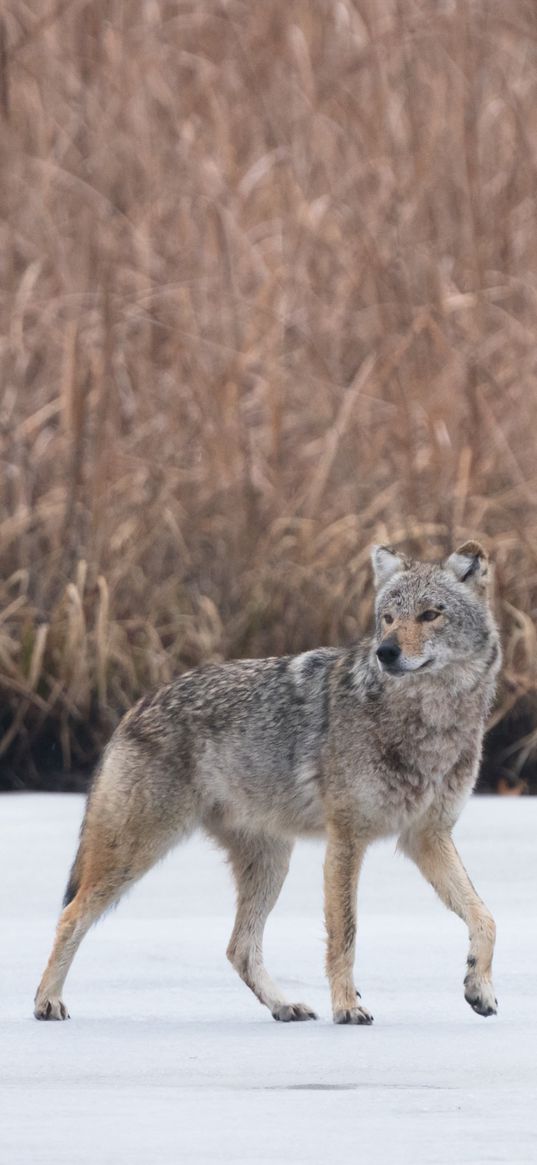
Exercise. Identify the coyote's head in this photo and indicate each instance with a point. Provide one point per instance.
(430, 615)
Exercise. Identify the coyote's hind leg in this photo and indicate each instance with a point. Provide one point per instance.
(75, 920)
(260, 864)
(125, 832)
(106, 871)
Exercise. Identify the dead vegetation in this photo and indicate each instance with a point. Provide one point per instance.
(268, 293)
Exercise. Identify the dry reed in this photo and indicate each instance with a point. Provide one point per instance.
(268, 293)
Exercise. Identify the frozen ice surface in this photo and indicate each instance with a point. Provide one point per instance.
(168, 1058)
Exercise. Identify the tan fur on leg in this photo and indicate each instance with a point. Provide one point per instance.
(260, 864)
(344, 856)
(74, 922)
(109, 861)
(436, 856)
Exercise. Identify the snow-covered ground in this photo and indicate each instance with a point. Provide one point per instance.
(169, 1058)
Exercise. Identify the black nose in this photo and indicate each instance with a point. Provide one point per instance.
(389, 651)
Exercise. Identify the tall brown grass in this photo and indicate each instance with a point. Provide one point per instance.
(269, 292)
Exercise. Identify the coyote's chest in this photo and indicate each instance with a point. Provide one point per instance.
(431, 735)
(428, 751)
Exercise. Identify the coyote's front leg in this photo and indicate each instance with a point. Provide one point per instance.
(435, 855)
(344, 857)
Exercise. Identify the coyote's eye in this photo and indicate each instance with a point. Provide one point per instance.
(428, 616)
(388, 618)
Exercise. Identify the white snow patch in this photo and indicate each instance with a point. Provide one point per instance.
(168, 1058)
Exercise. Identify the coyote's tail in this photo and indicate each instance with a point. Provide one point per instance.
(75, 876)
(73, 884)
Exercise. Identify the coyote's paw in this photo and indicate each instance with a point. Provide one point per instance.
(52, 1008)
(292, 1012)
(479, 993)
(353, 1015)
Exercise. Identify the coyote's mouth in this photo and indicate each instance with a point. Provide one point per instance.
(398, 669)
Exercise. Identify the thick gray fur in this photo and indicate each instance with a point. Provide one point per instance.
(336, 741)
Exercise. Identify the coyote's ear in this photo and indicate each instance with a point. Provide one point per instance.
(470, 565)
(385, 563)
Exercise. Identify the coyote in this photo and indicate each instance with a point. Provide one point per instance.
(357, 743)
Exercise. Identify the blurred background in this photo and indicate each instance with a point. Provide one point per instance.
(269, 292)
